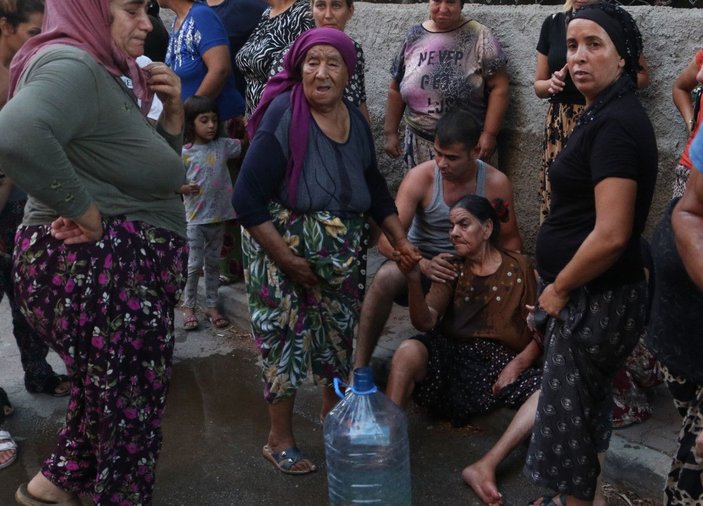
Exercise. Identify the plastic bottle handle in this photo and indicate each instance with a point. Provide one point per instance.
(338, 382)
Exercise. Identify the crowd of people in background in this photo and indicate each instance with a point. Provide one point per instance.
(136, 157)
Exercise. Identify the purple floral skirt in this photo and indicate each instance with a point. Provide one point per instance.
(107, 309)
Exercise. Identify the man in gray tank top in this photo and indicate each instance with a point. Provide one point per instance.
(423, 201)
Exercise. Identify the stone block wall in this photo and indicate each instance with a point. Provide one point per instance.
(671, 38)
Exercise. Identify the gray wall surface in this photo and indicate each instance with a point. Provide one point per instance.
(671, 38)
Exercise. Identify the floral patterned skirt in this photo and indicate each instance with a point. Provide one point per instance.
(560, 122)
(298, 329)
(107, 309)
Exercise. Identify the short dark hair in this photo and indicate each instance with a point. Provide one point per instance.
(457, 126)
(18, 11)
(483, 210)
(193, 106)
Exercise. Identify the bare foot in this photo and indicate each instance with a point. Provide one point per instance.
(482, 480)
(41, 488)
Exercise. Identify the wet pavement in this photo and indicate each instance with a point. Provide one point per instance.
(216, 423)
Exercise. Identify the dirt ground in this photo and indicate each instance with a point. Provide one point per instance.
(615, 496)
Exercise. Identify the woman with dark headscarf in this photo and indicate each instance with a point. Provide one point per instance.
(553, 82)
(100, 258)
(588, 255)
(308, 183)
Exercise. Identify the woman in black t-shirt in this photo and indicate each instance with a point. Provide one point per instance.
(566, 103)
(553, 82)
(588, 253)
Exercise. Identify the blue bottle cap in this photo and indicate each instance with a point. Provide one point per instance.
(363, 381)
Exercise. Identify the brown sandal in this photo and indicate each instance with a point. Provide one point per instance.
(190, 321)
(23, 497)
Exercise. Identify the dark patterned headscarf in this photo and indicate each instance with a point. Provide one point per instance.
(621, 29)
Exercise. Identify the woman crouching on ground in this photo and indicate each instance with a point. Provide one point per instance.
(479, 353)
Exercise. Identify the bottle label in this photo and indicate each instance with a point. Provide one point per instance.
(369, 434)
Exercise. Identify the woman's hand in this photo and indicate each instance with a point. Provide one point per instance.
(84, 229)
(191, 188)
(299, 270)
(406, 255)
(552, 301)
(392, 144)
(516, 366)
(557, 81)
(507, 376)
(486, 145)
(440, 269)
(167, 86)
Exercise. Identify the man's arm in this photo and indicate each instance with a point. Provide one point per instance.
(409, 197)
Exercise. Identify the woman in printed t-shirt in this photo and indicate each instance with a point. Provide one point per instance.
(445, 63)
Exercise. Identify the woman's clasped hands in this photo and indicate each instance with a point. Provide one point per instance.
(86, 228)
(406, 255)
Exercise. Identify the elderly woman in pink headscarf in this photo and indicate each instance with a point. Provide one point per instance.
(100, 257)
(307, 185)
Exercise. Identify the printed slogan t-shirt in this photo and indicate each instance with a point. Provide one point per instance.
(443, 71)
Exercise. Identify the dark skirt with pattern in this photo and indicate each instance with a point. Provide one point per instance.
(460, 376)
(582, 354)
(107, 309)
(38, 374)
(559, 123)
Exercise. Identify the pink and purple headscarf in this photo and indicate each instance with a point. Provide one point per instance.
(85, 25)
(290, 78)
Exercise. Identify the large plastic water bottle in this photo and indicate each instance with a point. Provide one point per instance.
(366, 443)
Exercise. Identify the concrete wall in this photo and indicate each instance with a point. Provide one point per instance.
(671, 37)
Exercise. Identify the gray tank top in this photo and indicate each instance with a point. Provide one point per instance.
(430, 227)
